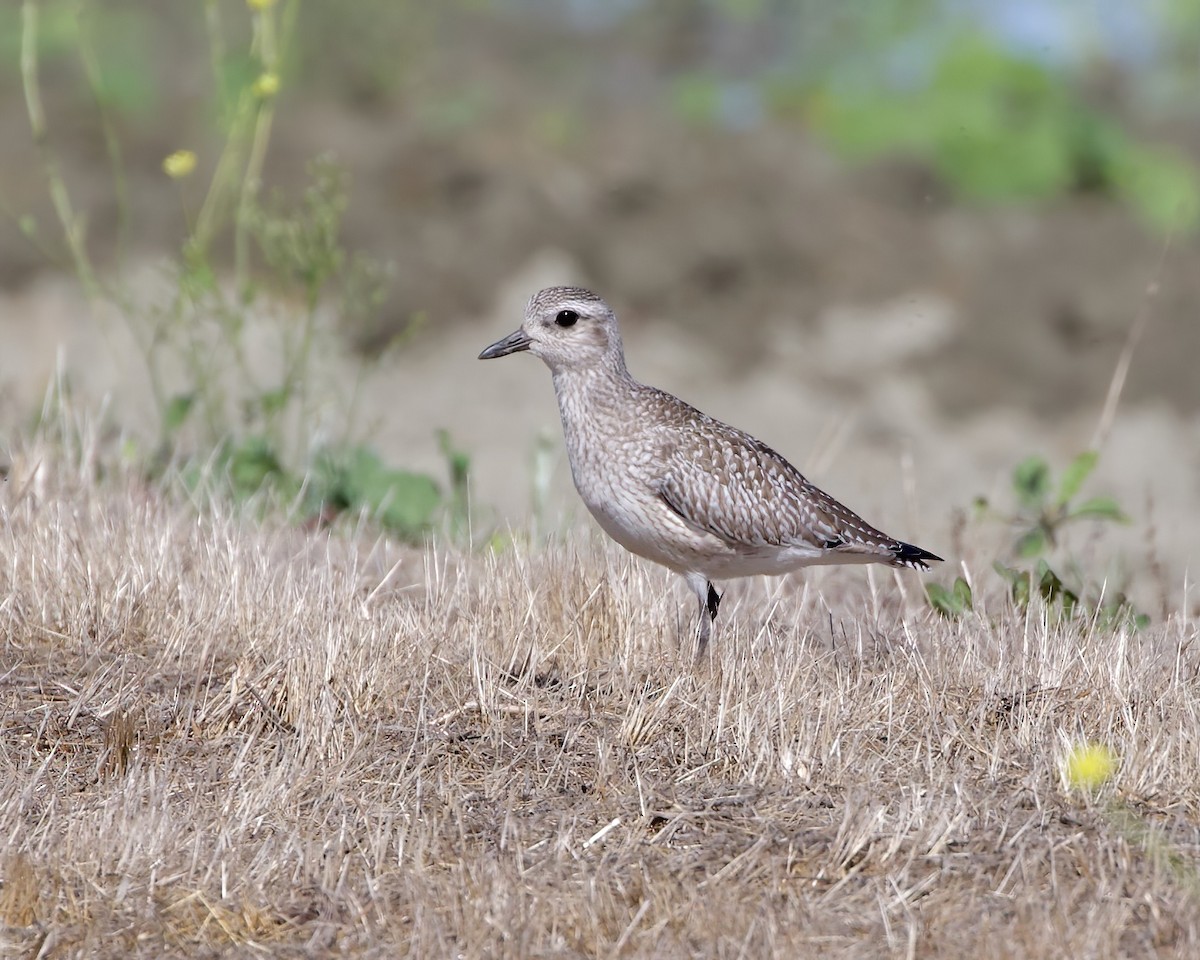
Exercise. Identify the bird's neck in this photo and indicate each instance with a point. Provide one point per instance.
(599, 381)
(594, 394)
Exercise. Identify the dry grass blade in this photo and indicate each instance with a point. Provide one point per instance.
(213, 746)
(1137, 330)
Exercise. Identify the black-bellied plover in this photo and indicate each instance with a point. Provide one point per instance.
(673, 485)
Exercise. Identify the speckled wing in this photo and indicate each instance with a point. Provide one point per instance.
(726, 483)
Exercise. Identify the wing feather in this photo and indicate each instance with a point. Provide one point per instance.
(724, 482)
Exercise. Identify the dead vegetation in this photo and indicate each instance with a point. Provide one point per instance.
(224, 738)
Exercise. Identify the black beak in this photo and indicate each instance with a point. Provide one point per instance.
(515, 342)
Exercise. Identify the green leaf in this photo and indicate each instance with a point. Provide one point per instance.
(1021, 590)
(1162, 186)
(696, 98)
(1031, 543)
(410, 503)
(197, 279)
(1052, 588)
(1099, 508)
(1076, 473)
(952, 603)
(1018, 581)
(403, 502)
(178, 408)
(457, 460)
(251, 465)
(943, 601)
(1031, 481)
(1008, 573)
(273, 402)
(1118, 613)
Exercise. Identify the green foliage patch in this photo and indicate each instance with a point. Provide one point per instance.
(1041, 512)
(997, 127)
(226, 427)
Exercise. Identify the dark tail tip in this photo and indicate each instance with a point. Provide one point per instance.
(907, 555)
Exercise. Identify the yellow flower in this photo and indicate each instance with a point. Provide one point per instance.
(266, 86)
(260, 4)
(179, 164)
(1090, 766)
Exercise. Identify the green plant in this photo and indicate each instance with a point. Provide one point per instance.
(249, 268)
(1042, 511)
(403, 502)
(951, 602)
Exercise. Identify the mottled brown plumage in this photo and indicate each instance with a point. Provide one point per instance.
(672, 484)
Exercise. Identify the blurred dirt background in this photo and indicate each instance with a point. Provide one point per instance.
(904, 346)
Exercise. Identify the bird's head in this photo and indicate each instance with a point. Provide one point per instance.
(569, 328)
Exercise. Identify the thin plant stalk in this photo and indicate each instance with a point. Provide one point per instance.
(71, 224)
(112, 145)
(264, 41)
(1136, 330)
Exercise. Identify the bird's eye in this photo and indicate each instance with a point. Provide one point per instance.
(566, 318)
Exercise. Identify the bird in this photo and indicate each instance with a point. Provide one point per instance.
(674, 485)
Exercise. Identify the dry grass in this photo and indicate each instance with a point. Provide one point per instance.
(226, 739)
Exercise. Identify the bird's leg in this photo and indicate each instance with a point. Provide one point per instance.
(712, 601)
(703, 631)
(709, 599)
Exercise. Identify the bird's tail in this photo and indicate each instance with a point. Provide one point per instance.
(907, 555)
